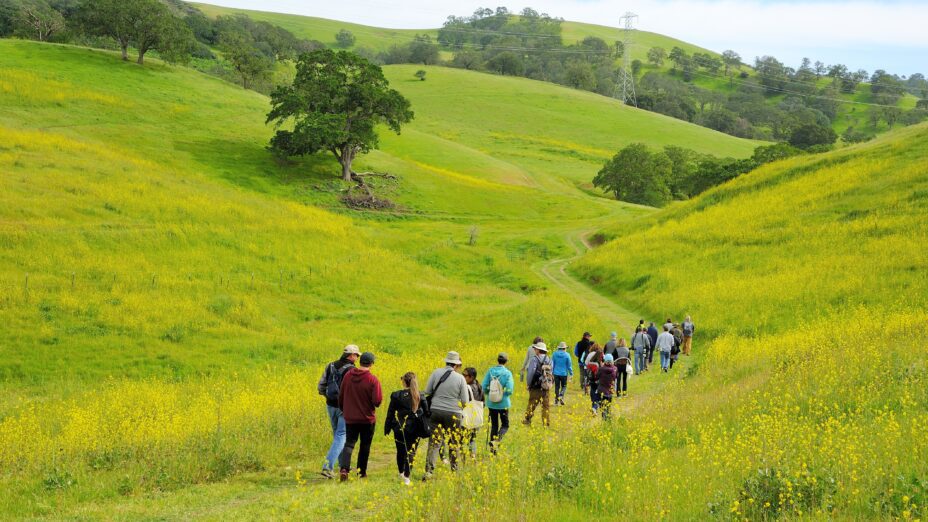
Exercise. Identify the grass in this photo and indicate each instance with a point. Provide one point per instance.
(803, 278)
(169, 289)
(173, 377)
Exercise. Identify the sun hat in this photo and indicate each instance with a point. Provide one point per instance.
(352, 349)
(541, 346)
(562, 345)
(587, 334)
(367, 359)
(502, 357)
(453, 358)
(613, 335)
(609, 357)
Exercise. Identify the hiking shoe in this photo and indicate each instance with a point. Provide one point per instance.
(343, 475)
(406, 480)
(327, 474)
(427, 477)
(526, 422)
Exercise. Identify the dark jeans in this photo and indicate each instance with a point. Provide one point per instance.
(560, 386)
(651, 353)
(621, 382)
(352, 433)
(406, 446)
(499, 424)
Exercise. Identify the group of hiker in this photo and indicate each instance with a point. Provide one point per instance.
(449, 411)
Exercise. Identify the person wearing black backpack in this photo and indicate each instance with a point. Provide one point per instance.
(540, 384)
(328, 386)
(405, 419)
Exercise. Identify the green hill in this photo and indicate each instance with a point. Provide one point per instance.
(323, 29)
(808, 288)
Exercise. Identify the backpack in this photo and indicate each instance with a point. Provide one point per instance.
(547, 375)
(496, 390)
(333, 380)
(688, 329)
(543, 378)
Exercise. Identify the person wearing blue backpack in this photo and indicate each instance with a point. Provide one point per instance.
(562, 369)
(329, 386)
(498, 386)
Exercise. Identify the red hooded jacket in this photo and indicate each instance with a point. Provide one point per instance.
(359, 396)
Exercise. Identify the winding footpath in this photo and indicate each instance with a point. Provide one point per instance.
(555, 270)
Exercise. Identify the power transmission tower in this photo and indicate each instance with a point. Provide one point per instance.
(626, 78)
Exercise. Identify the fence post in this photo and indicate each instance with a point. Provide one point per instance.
(72, 281)
(26, 287)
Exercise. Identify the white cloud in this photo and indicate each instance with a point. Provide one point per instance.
(850, 32)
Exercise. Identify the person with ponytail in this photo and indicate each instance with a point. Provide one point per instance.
(404, 420)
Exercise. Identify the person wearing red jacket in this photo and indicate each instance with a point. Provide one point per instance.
(358, 398)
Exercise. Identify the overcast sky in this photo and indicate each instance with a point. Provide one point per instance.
(868, 34)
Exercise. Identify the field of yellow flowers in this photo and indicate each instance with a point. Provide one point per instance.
(169, 295)
(809, 278)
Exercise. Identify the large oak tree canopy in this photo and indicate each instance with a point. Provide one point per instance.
(335, 103)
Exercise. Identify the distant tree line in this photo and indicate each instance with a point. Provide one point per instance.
(639, 174)
(234, 47)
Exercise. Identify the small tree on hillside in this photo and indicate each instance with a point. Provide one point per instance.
(345, 38)
(248, 61)
(732, 60)
(637, 175)
(656, 56)
(812, 134)
(335, 102)
(420, 74)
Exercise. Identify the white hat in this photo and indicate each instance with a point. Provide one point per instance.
(352, 349)
(541, 346)
(453, 358)
(562, 345)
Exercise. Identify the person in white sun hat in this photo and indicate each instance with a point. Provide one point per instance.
(540, 383)
(446, 394)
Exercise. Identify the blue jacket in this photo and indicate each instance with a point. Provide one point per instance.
(562, 364)
(506, 380)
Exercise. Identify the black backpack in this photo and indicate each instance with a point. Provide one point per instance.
(333, 380)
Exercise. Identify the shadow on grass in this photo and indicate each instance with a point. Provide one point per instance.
(251, 166)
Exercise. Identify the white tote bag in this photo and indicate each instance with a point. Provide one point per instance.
(472, 417)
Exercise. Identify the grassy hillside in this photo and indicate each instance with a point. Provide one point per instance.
(323, 29)
(170, 289)
(854, 109)
(808, 288)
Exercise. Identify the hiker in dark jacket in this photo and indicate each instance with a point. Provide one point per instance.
(622, 360)
(605, 386)
(404, 420)
(359, 398)
(652, 333)
(677, 333)
(580, 351)
(537, 393)
(328, 387)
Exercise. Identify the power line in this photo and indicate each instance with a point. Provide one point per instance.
(784, 91)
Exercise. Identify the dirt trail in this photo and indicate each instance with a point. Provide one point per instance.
(555, 270)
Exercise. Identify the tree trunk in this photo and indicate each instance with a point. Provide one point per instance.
(345, 159)
(141, 60)
(125, 51)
